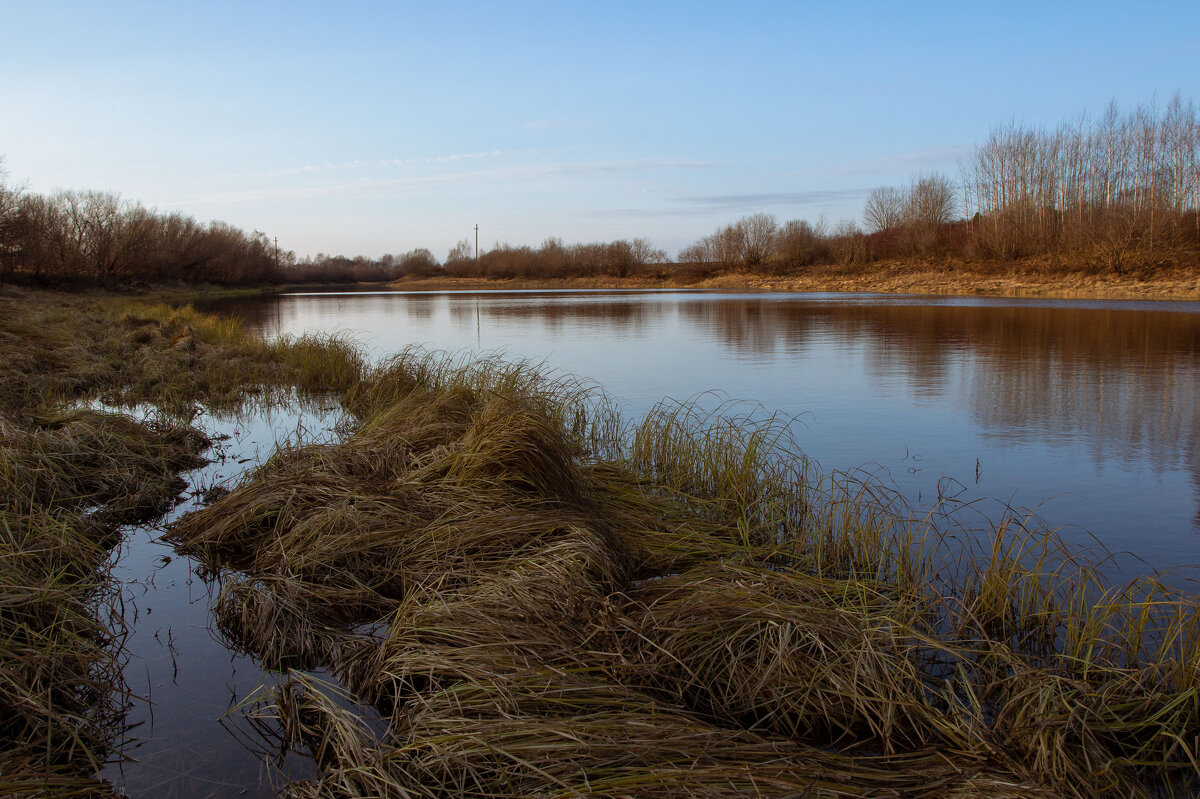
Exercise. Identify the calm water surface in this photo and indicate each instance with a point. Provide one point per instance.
(1085, 411)
(186, 733)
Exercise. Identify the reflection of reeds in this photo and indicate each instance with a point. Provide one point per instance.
(543, 602)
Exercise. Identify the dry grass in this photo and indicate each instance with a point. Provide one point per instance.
(548, 734)
(1034, 278)
(67, 479)
(542, 601)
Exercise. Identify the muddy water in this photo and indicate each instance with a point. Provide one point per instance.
(1088, 412)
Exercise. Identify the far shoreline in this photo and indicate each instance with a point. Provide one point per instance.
(885, 278)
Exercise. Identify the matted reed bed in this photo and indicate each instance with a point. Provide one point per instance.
(71, 474)
(542, 601)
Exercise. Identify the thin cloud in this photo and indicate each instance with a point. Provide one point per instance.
(313, 169)
(709, 204)
(896, 162)
(716, 202)
(634, 165)
(558, 124)
(456, 157)
(378, 186)
(308, 169)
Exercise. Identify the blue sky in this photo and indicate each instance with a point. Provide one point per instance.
(370, 127)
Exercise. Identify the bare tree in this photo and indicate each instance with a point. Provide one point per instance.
(728, 245)
(419, 262)
(931, 201)
(847, 243)
(10, 225)
(460, 254)
(698, 259)
(1120, 183)
(800, 243)
(646, 254)
(756, 234)
(884, 209)
(557, 260)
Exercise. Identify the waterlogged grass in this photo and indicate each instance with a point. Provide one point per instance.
(60, 349)
(542, 599)
(71, 474)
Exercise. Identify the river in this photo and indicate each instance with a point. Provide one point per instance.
(1083, 411)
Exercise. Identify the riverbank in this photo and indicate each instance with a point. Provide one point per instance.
(182, 293)
(541, 598)
(74, 472)
(1033, 278)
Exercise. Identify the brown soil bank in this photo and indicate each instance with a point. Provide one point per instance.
(1034, 278)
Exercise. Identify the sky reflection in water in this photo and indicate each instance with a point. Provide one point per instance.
(1085, 410)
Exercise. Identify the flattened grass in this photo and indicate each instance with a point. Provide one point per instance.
(541, 601)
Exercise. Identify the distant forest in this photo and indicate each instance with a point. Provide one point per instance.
(1119, 192)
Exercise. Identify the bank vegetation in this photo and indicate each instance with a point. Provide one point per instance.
(1118, 194)
(542, 600)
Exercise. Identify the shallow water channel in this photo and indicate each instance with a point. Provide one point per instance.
(187, 735)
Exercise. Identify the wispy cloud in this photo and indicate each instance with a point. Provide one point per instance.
(380, 186)
(315, 169)
(558, 124)
(308, 169)
(456, 157)
(732, 202)
(893, 163)
(632, 165)
(727, 204)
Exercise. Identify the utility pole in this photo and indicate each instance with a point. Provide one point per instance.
(476, 242)
(276, 252)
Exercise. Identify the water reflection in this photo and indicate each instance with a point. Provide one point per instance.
(186, 735)
(1089, 405)
(1123, 379)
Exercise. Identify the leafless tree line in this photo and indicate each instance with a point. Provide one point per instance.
(1118, 190)
(10, 223)
(621, 258)
(927, 203)
(323, 268)
(759, 242)
(1115, 184)
(97, 238)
